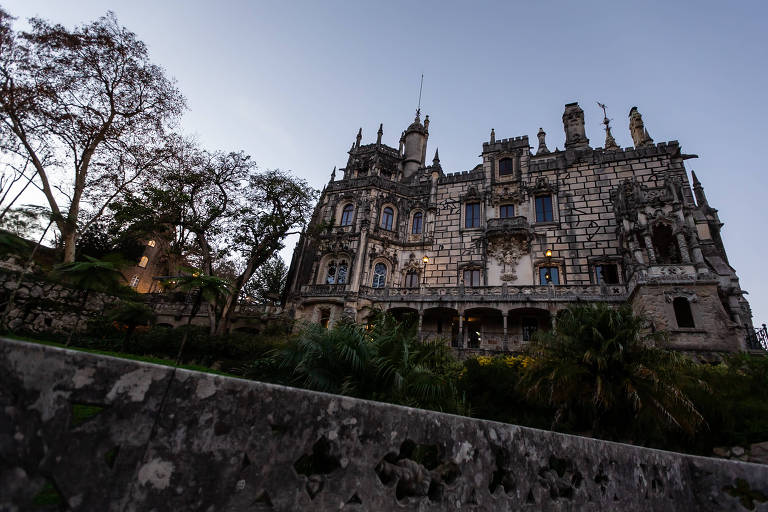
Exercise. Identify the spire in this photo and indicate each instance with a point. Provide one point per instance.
(379, 134)
(493, 136)
(359, 137)
(436, 160)
(698, 191)
(333, 173)
(426, 123)
(610, 142)
(542, 143)
(637, 128)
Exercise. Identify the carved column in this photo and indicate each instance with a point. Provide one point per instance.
(683, 246)
(649, 249)
(461, 329)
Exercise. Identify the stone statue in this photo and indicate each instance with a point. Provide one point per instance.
(640, 135)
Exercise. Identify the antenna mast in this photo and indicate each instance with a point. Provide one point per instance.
(418, 109)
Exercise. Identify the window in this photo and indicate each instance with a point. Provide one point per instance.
(506, 166)
(472, 215)
(134, 281)
(379, 275)
(549, 275)
(472, 277)
(387, 217)
(325, 318)
(412, 280)
(683, 313)
(417, 222)
(665, 244)
(606, 273)
(346, 215)
(341, 273)
(544, 209)
(143, 261)
(506, 211)
(530, 325)
(151, 243)
(331, 278)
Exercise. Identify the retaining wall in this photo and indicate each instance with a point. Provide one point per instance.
(107, 434)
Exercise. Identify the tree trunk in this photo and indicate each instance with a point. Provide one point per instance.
(228, 309)
(195, 309)
(69, 240)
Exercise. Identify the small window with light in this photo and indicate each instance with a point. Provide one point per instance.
(151, 243)
(143, 261)
(549, 275)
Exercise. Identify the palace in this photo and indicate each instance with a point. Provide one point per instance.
(487, 256)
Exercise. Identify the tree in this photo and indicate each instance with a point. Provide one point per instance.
(268, 282)
(208, 288)
(88, 109)
(600, 369)
(275, 204)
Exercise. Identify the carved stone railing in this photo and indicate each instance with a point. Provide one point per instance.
(497, 293)
(507, 225)
(323, 290)
(380, 182)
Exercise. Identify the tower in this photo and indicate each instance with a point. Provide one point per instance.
(573, 124)
(415, 145)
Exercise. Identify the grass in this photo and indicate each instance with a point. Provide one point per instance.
(123, 355)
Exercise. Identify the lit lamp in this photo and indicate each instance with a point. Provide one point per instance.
(548, 274)
(424, 260)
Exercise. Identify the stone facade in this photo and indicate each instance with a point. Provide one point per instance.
(95, 433)
(484, 257)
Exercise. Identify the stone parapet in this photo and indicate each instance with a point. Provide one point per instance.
(108, 434)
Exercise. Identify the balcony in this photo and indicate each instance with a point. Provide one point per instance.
(565, 293)
(323, 290)
(507, 226)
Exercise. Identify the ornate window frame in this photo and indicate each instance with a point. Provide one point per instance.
(472, 266)
(380, 223)
(542, 188)
(557, 263)
(387, 275)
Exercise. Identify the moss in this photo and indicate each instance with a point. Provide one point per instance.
(48, 495)
(82, 413)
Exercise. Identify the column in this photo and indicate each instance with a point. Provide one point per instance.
(461, 330)
(649, 249)
(421, 319)
(683, 246)
(505, 344)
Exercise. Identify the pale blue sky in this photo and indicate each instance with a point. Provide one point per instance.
(291, 82)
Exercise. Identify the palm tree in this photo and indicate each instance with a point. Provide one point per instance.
(208, 288)
(601, 364)
(381, 361)
(131, 314)
(90, 275)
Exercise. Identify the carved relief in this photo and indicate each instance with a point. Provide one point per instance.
(507, 252)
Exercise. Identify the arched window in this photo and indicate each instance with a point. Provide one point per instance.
(346, 215)
(331, 279)
(683, 313)
(134, 281)
(412, 280)
(379, 275)
(506, 166)
(341, 273)
(665, 244)
(143, 261)
(417, 221)
(387, 217)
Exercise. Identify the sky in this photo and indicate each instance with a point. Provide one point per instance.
(290, 82)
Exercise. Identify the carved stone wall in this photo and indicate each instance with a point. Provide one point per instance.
(98, 433)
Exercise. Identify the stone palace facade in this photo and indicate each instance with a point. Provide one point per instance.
(485, 257)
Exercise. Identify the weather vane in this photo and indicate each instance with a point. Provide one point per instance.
(418, 109)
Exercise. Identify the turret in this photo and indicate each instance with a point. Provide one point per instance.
(542, 142)
(415, 146)
(573, 124)
(698, 191)
(637, 128)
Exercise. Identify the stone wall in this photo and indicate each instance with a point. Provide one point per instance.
(107, 434)
(44, 306)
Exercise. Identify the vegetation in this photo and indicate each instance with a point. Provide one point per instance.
(596, 375)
